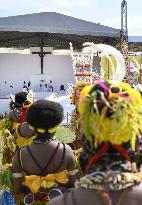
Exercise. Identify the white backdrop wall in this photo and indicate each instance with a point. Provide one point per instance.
(60, 69)
(15, 68)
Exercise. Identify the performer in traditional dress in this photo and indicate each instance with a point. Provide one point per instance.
(46, 167)
(19, 107)
(23, 135)
(75, 117)
(111, 122)
(12, 135)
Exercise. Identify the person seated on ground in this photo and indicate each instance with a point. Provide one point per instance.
(74, 125)
(111, 121)
(46, 167)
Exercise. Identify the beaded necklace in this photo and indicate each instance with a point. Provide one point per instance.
(110, 181)
(47, 141)
(103, 183)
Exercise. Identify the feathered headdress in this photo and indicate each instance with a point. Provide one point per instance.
(112, 65)
(110, 113)
(110, 110)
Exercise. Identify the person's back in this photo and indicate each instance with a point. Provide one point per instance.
(131, 196)
(49, 162)
(23, 135)
(110, 161)
(17, 114)
(15, 117)
(58, 154)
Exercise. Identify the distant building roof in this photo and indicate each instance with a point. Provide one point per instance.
(53, 22)
(50, 25)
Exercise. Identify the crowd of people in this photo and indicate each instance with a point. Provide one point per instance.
(104, 168)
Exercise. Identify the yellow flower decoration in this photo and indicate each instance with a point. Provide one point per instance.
(83, 96)
(124, 122)
(30, 102)
(52, 130)
(31, 127)
(40, 130)
(79, 86)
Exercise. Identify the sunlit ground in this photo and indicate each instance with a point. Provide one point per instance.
(64, 134)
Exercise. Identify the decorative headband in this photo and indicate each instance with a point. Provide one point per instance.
(41, 130)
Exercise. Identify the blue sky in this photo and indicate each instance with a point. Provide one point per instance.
(106, 12)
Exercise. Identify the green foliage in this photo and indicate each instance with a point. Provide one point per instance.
(5, 176)
(5, 124)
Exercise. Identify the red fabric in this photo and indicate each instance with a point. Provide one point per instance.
(22, 115)
(103, 150)
(122, 151)
(98, 155)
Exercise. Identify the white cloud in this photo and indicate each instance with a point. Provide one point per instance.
(134, 24)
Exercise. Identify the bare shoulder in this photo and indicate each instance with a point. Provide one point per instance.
(136, 190)
(75, 196)
(68, 148)
(133, 195)
(83, 197)
(57, 201)
(13, 115)
(69, 151)
(65, 199)
(10, 115)
(26, 130)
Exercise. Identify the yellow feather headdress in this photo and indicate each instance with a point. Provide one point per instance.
(111, 113)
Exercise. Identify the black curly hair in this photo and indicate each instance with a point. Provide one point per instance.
(44, 114)
(21, 97)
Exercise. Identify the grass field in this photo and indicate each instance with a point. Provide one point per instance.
(64, 134)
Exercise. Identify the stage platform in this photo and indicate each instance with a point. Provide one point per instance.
(42, 95)
(63, 99)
